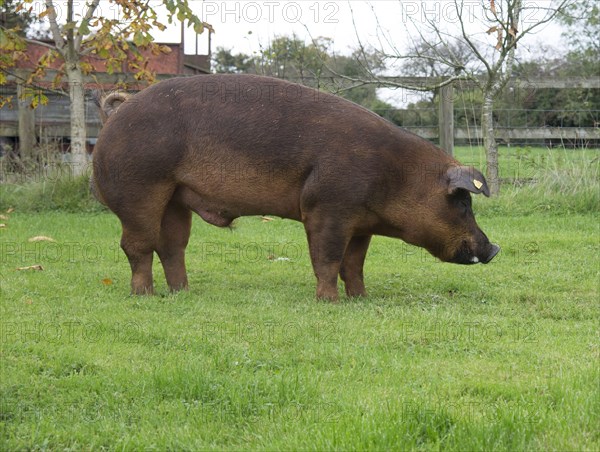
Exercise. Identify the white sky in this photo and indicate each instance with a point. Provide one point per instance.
(246, 26)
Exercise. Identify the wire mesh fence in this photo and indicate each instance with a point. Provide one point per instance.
(542, 127)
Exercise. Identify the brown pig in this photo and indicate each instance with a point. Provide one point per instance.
(225, 146)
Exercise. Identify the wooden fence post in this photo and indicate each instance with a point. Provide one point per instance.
(446, 118)
(26, 125)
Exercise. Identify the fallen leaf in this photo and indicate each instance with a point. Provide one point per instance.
(107, 281)
(2, 225)
(32, 267)
(281, 259)
(10, 210)
(28, 301)
(41, 238)
(3, 217)
(274, 258)
(265, 219)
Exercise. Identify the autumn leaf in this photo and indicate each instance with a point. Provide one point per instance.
(492, 30)
(57, 79)
(155, 50)
(84, 28)
(3, 40)
(493, 7)
(266, 219)
(46, 12)
(86, 67)
(2, 225)
(3, 217)
(69, 26)
(37, 267)
(107, 281)
(10, 210)
(41, 238)
(138, 38)
(199, 28)
(499, 43)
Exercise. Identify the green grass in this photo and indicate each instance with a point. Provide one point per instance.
(557, 181)
(502, 357)
(47, 189)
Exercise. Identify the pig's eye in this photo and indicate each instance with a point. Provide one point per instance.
(464, 205)
(462, 202)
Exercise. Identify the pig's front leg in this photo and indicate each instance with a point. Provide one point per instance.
(327, 241)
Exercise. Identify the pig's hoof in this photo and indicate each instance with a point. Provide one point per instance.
(332, 298)
(142, 291)
(329, 300)
(355, 290)
(179, 288)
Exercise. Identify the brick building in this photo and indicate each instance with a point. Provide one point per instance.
(51, 122)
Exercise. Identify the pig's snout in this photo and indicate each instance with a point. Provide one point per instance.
(494, 249)
(483, 253)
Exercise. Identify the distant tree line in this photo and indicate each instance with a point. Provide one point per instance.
(312, 64)
(315, 64)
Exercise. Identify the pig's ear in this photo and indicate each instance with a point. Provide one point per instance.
(466, 178)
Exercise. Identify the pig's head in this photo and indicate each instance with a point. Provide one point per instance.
(442, 220)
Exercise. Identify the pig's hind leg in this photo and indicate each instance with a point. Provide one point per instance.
(141, 214)
(351, 270)
(175, 230)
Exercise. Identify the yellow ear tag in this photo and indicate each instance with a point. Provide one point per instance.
(478, 184)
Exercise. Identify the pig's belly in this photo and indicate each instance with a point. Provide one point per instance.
(221, 208)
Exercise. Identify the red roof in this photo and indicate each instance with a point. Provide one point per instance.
(165, 63)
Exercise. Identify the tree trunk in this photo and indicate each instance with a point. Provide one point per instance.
(27, 139)
(77, 110)
(446, 118)
(491, 147)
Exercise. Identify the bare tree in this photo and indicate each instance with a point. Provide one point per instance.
(479, 45)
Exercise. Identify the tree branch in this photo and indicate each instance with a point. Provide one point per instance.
(553, 13)
(389, 82)
(468, 40)
(91, 8)
(40, 43)
(54, 28)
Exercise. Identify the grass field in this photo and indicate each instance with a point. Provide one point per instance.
(439, 356)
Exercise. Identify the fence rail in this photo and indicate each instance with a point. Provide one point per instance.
(543, 135)
(52, 121)
(445, 124)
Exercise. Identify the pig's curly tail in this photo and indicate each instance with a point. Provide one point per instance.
(109, 103)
